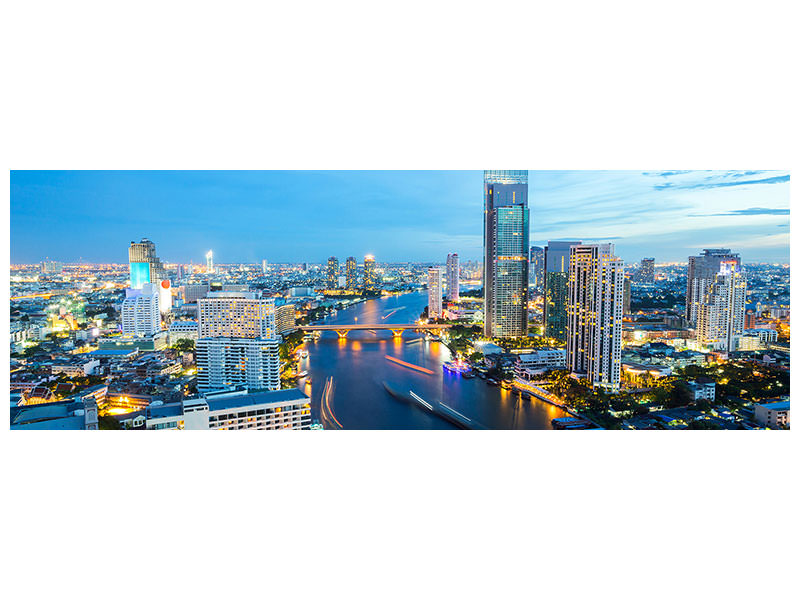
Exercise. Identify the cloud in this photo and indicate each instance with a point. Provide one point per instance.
(746, 212)
(720, 184)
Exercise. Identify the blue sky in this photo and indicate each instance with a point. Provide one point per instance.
(293, 216)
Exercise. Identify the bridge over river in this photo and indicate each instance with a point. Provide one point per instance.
(395, 328)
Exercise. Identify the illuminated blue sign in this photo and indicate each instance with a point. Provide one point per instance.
(140, 274)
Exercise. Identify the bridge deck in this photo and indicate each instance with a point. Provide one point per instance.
(366, 327)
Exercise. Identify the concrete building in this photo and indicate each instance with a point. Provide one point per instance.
(646, 272)
(140, 314)
(556, 282)
(626, 296)
(434, 293)
(772, 414)
(452, 278)
(51, 266)
(701, 274)
(236, 314)
(720, 317)
(191, 293)
(702, 390)
(505, 241)
(767, 336)
(234, 409)
(594, 314)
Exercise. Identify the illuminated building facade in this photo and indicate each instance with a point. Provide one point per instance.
(370, 276)
(237, 342)
(720, 318)
(51, 266)
(505, 240)
(556, 282)
(285, 319)
(537, 267)
(351, 273)
(332, 273)
(145, 266)
(140, 313)
(434, 293)
(594, 314)
(452, 277)
(702, 272)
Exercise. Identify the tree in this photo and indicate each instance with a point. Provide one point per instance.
(184, 345)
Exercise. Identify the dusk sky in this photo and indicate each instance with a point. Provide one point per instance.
(294, 216)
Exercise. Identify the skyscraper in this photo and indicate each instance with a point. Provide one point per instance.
(145, 266)
(237, 342)
(701, 274)
(332, 273)
(264, 267)
(370, 277)
(209, 262)
(505, 242)
(626, 296)
(351, 273)
(594, 314)
(556, 280)
(537, 267)
(452, 277)
(721, 315)
(434, 293)
(140, 313)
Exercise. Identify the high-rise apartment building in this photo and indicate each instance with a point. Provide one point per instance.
(702, 271)
(285, 319)
(594, 314)
(537, 267)
(351, 273)
(505, 241)
(556, 284)
(145, 266)
(434, 293)
(51, 266)
(452, 277)
(332, 273)
(646, 272)
(370, 276)
(626, 296)
(140, 313)
(237, 342)
(264, 267)
(720, 318)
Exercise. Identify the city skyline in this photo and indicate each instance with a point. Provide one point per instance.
(309, 215)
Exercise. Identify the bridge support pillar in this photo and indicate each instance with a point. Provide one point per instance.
(398, 332)
(342, 333)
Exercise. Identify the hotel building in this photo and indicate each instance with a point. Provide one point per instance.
(434, 293)
(702, 271)
(452, 277)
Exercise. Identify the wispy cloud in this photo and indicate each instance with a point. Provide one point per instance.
(746, 212)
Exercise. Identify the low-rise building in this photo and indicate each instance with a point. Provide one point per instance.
(182, 330)
(235, 409)
(531, 365)
(772, 414)
(702, 389)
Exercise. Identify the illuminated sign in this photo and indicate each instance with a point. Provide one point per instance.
(140, 274)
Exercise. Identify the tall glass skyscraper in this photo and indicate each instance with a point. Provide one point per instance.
(505, 243)
(556, 279)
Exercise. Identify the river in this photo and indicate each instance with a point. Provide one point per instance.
(359, 369)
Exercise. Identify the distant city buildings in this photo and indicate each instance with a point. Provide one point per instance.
(452, 277)
(646, 272)
(556, 293)
(51, 266)
(505, 240)
(537, 267)
(140, 313)
(209, 262)
(264, 269)
(434, 293)
(351, 273)
(594, 314)
(702, 272)
(720, 317)
(145, 266)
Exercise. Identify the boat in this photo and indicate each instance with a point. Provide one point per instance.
(481, 374)
(506, 385)
(468, 374)
(302, 373)
(455, 366)
(304, 354)
(491, 381)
